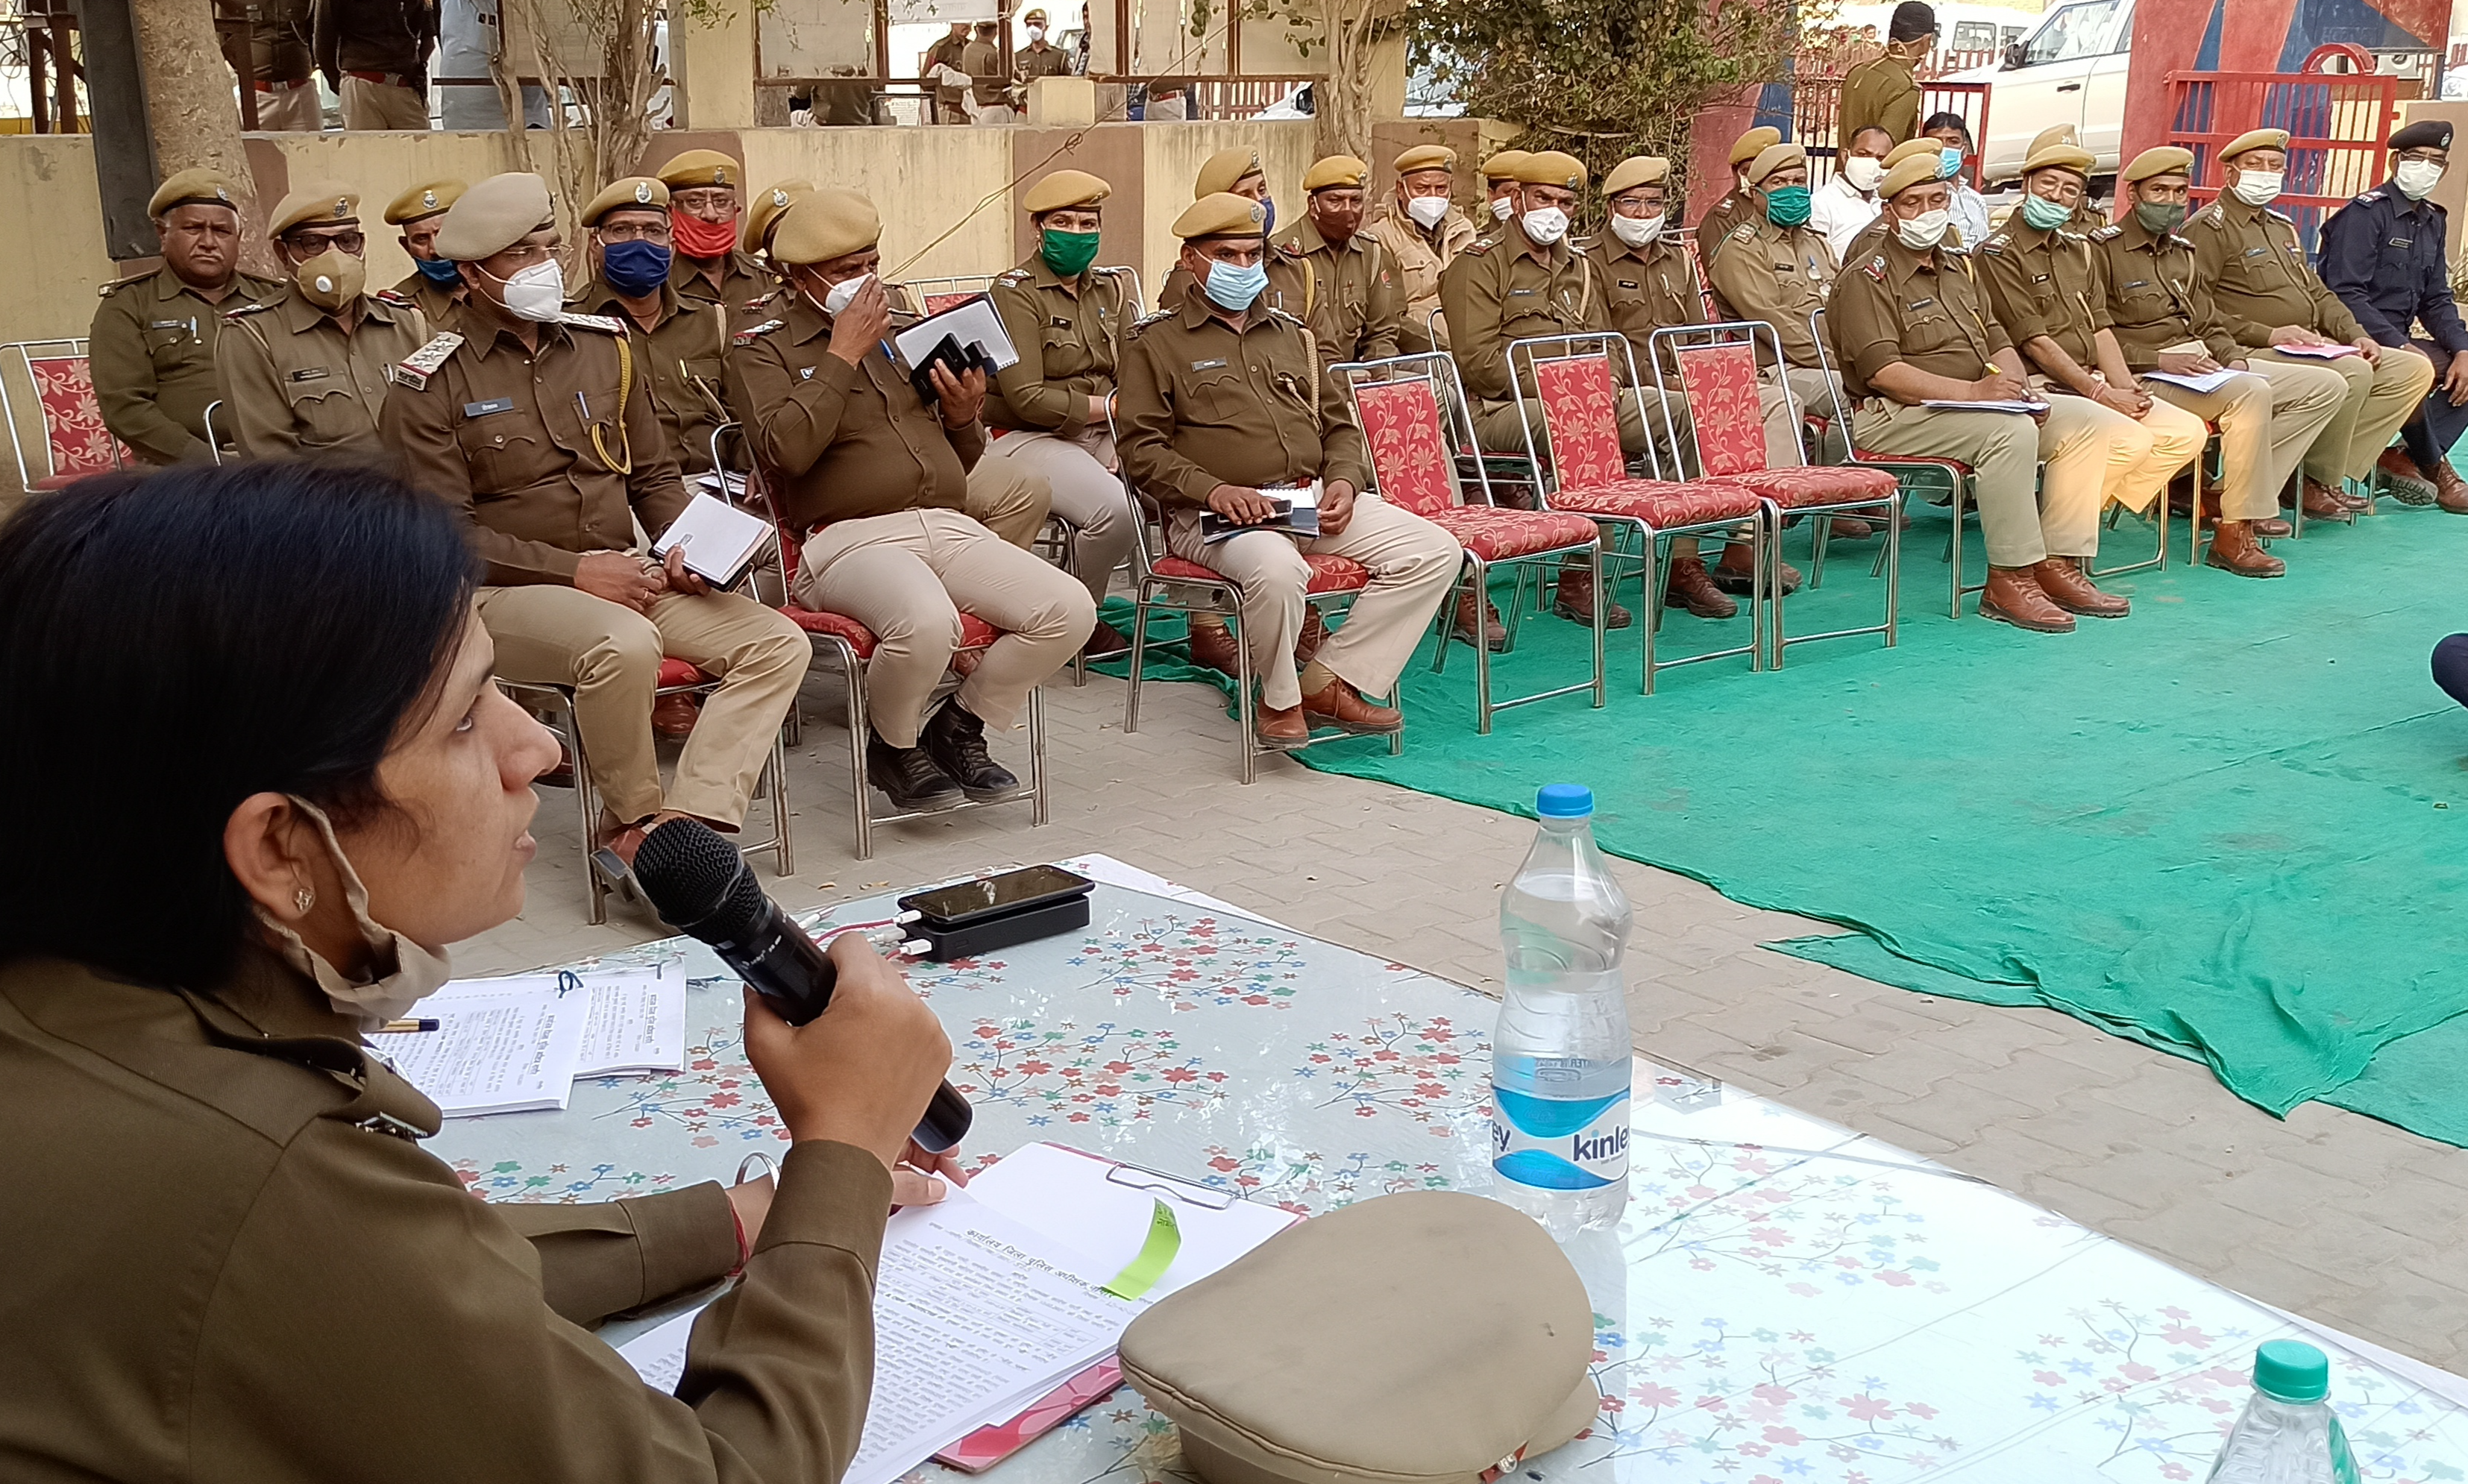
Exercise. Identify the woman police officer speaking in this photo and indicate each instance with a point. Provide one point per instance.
(271, 780)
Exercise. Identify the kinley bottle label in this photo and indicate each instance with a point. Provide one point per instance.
(1548, 1134)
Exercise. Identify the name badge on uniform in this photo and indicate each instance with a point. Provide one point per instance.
(2139, 283)
(1059, 324)
(2257, 252)
(168, 324)
(1921, 303)
(1208, 365)
(492, 404)
(311, 374)
(1628, 283)
(1518, 294)
(2401, 241)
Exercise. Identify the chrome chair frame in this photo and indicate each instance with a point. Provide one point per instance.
(73, 346)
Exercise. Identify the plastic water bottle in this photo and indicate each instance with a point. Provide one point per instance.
(2288, 1435)
(1560, 1059)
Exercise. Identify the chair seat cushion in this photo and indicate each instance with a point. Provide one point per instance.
(674, 672)
(976, 633)
(1836, 485)
(1662, 503)
(1328, 574)
(1502, 534)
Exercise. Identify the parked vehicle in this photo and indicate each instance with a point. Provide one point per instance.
(2071, 69)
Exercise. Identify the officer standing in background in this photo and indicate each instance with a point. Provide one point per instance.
(307, 373)
(1499, 187)
(678, 343)
(1737, 205)
(1041, 58)
(151, 349)
(375, 55)
(702, 226)
(982, 62)
(2383, 255)
(1422, 232)
(1782, 275)
(950, 99)
(1352, 300)
(434, 284)
(1882, 92)
(283, 69)
(541, 431)
(2249, 258)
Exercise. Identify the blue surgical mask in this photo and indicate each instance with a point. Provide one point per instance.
(635, 269)
(2043, 214)
(1269, 204)
(1232, 288)
(443, 272)
(1949, 163)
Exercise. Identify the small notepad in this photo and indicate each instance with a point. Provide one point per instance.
(718, 540)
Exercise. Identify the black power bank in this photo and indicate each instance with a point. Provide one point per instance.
(967, 919)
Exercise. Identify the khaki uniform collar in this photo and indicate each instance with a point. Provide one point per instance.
(599, 298)
(804, 322)
(1651, 254)
(1901, 262)
(1307, 236)
(1196, 311)
(2137, 237)
(1042, 275)
(486, 327)
(1559, 255)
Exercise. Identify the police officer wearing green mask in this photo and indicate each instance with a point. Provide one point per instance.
(1064, 318)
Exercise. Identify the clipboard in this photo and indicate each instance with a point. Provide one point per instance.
(1095, 1203)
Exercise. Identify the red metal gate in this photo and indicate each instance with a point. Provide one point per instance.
(2337, 126)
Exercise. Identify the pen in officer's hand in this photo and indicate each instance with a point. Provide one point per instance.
(394, 1027)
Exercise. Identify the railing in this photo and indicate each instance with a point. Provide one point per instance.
(2337, 123)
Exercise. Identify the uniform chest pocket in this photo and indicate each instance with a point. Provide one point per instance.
(1928, 327)
(1066, 352)
(169, 345)
(1218, 396)
(503, 449)
(326, 409)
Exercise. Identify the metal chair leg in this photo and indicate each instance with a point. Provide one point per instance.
(1131, 677)
(1481, 647)
(1243, 704)
(1037, 756)
(1602, 599)
(857, 727)
(584, 798)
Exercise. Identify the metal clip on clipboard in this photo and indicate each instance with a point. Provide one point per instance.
(1158, 1183)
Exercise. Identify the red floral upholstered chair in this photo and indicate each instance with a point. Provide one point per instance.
(75, 442)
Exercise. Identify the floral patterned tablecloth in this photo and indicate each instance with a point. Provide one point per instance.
(1786, 1303)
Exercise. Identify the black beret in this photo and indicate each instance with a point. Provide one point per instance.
(1912, 21)
(2423, 134)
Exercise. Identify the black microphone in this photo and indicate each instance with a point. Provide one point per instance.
(701, 884)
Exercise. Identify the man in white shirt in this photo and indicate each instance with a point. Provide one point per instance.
(1969, 208)
(1848, 203)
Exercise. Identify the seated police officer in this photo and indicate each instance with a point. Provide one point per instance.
(521, 425)
(874, 479)
(1222, 397)
(1351, 297)
(678, 342)
(434, 284)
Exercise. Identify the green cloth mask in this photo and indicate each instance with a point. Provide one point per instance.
(1068, 253)
(2044, 214)
(2158, 217)
(1787, 206)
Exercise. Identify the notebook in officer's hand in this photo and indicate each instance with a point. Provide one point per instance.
(1297, 507)
(972, 325)
(720, 540)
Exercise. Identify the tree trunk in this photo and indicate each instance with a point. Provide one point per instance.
(1341, 101)
(191, 111)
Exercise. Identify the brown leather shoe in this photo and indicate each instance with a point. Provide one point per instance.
(1573, 599)
(1732, 574)
(2014, 597)
(2065, 586)
(1463, 627)
(2235, 549)
(2324, 503)
(2271, 529)
(1212, 647)
(1850, 528)
(1315, 634)
(2407, 483)
(2451, 491)
(1337, 704)
(1692, 587)
(674, 717)
(1105, 642)
(1280, 731)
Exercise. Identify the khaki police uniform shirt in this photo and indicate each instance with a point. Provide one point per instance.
(271, 1266)
(533, 447)
(1354, 303)
(1881, 92)
(1203, 404)
(950, 103)
(1780, 275)
(1067, 332)
(843, 441)
(982, 60)
(440, 304)
(294, 383)
(278, 41)
(2045, 284)
(740, 279)
(1645, 290)
(1041, 59)
(151, 355)
(1925, 309)
(1500, 291)
(1419, 257)
(684, 354)
(2250, 261)
(2153, 297)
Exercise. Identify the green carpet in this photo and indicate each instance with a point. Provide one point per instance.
(2230, 827)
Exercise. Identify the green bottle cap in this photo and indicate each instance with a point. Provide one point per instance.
(2290, 1370)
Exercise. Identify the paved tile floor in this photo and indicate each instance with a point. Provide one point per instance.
(2348, 1220)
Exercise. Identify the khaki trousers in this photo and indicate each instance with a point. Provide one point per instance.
(367, 104)
(2094, 454)
(2378, 398)
(1412, 562)
(2002, 449)
(2265, 425)
(1009, 499)
(610, 655)
(287, 108)
(1088, 495)
(910, 577)
(2144, 453)
(1820, 395)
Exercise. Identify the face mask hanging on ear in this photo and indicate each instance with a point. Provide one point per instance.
(407, 973)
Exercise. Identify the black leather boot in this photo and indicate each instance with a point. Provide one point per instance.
(909, 776)
(956, 741)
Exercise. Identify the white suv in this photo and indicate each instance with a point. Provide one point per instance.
(2069, 70)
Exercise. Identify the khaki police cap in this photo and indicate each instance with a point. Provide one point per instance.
(492, 217)
(1637, 170)
(203, 187)
(422, 201)
(1222, 215)
(634, 192)
(827, 224)
(2253, 139)
(1774, 157)
(2157, 160)
(1552, 168)
(1912, 150)
(701, 167)
(2061, 156)
(1427, 157)
(766, 209)
(2054, 134)
(1755, 141)
(1033, 18)
(1223, 170)
(1913, 172)
(1064, 188)
(1337, 172)
(320, 203)
(1503, 164)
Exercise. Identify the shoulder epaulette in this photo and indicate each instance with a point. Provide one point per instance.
(270, 285)
(1140, 325)
(2185, 242)
(1015, 276)
(1994, 245)
(1876, 267)
(2107, 234)
(234, 316)
(2375, 195)
(392, 300)
(753, 332)
(1743, 231)
(759, 301)
(2212, 215)
(1290, 247)
(1583, 245)
(414, 370)
(115, 287)
(2279, 215)
(606, 324)
(1479, 248)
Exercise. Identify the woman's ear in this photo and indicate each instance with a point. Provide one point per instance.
(277, 857)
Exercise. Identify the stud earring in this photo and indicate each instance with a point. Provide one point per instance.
(304, 899)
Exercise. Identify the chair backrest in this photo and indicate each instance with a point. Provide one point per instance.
(75, 442)
(1414, 416)
(1717, 375)
(1580, 408)
(1131, 300)
(785, 545)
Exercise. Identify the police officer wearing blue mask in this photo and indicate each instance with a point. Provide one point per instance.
(677, 341)
(435, 284)
(2382, 254)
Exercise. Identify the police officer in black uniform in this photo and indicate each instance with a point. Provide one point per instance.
(2383, 255)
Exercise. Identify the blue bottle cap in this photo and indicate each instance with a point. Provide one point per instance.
(1564, 801)
(2292, 1371)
